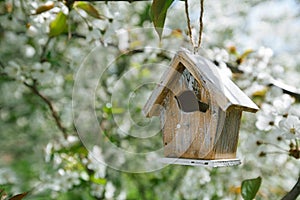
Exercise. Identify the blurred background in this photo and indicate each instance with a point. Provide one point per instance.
(75, 77)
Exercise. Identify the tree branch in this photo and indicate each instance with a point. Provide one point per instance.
(294, 193)
(44, 50)
(51, 107)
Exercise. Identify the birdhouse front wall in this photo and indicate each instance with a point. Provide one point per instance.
(189, 134)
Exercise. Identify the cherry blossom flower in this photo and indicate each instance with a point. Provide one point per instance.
(283, 103)
(290, 127)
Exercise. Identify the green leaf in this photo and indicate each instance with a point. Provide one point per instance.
(117, 110)
(76, 148)
(58, 25)
(99, 181)
(88, 8)
(250, 188)
(159, 10)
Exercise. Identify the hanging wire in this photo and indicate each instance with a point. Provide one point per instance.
(196, 47)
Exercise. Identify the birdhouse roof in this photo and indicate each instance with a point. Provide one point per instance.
(220, 87)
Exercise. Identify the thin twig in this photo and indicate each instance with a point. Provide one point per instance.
(275, 145)
(69, 28)
(51, 107)
(23, 8)
(274, 152)
(44, 50)
(84, 19)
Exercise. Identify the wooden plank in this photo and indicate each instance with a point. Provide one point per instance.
(168, 79)
(171, 115)
(226, 144)
(187, 135)
(201, 145)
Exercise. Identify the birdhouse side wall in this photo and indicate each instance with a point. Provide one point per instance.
(226, 145)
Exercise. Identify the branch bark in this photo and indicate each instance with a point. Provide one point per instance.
(50, 106)
(294, 193)
(44, 50)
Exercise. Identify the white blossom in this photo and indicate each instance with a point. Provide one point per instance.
(290, 127)
(13, 69)
(42, 72)
(123, 38)
(266, 118)
(95, 162)
(109, 190)
(29, 51)
(283, 103)
(265, 53)
(97, 190)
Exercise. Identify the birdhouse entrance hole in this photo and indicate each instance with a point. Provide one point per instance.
(188, 102)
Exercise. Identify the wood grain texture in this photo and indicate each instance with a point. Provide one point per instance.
(226, 144)
(168, 82)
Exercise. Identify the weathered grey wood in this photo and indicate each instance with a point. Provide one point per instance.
(172, 117)
(167, 83)
(197, 162)
(226, 143)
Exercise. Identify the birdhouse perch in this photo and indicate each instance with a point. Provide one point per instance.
(200, 112)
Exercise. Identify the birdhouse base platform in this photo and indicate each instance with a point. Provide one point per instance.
(196, 162)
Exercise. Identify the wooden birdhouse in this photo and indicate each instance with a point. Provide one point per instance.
(200, 111)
